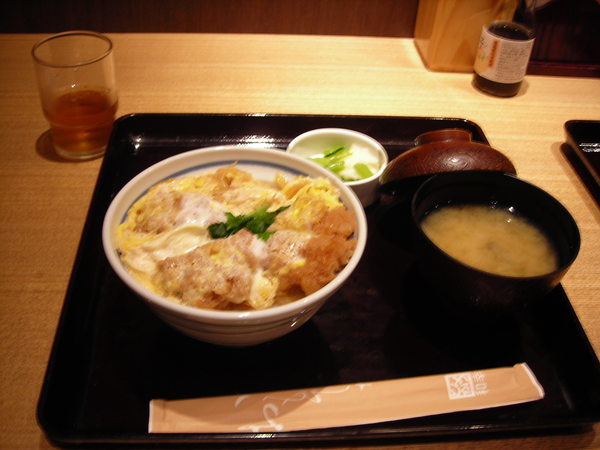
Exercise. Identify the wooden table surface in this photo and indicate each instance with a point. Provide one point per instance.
(44, 201)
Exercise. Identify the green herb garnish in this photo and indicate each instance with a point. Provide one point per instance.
(363, 170)
(340, 151)
(334, 160)
(257, 222)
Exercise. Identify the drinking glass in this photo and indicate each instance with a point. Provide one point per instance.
(76, 81)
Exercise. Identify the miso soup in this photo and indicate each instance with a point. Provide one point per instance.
(495, 240)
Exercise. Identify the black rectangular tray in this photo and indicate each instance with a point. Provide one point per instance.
(111, 355)
(583, 151)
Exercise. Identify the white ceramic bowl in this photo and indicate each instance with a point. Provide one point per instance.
(230, 328)
(320, 140)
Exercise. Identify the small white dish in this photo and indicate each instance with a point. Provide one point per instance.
(230, 328)
(364, 149)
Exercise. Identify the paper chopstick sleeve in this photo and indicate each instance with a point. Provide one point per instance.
(347, 404)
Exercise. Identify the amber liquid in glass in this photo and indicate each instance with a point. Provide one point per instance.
(80, 122)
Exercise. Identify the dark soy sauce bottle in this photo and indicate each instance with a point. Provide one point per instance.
(503, 54)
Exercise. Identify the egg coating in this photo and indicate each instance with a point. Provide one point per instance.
(165, 245)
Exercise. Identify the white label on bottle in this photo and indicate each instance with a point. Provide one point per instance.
(500, 59)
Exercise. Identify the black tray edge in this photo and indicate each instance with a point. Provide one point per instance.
(589, 174)
(468, 123)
